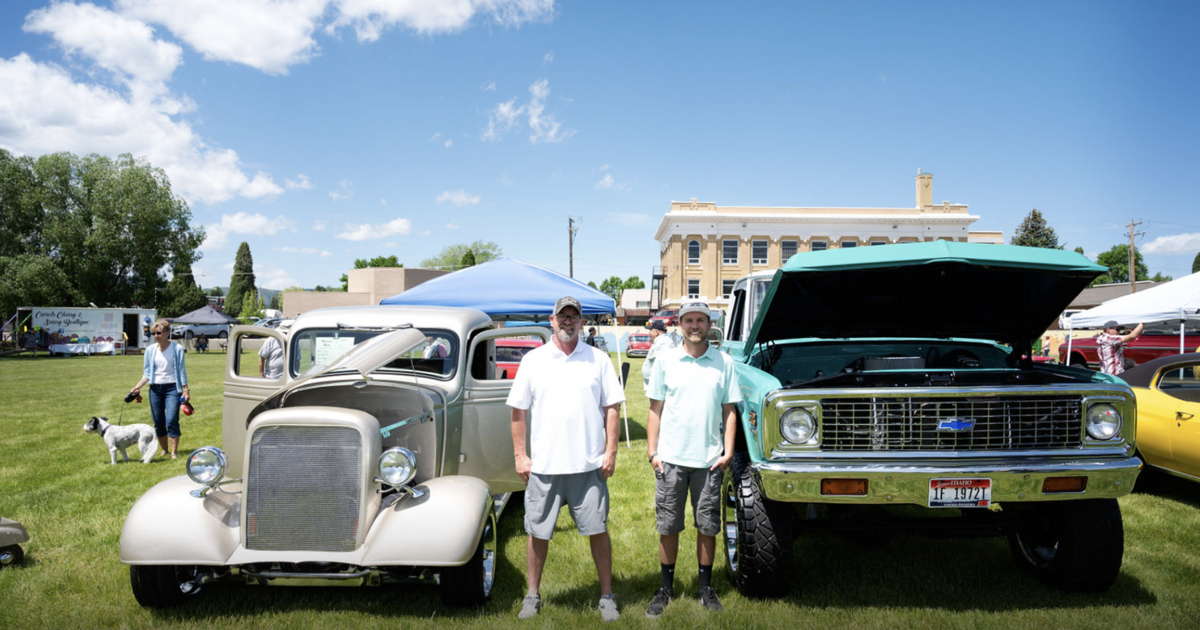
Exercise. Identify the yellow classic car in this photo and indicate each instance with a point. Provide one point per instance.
(1168, 400)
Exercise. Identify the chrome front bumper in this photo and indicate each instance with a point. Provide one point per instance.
(892, 483)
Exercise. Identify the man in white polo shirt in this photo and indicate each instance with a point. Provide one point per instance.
(566, 396)
(693, 392)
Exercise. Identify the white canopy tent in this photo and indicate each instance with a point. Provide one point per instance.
(1175, 301)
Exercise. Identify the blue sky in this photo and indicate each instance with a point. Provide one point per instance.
(320, 132)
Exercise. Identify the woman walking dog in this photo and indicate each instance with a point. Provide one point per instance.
(163, 367)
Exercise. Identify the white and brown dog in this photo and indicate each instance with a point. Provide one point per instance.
(120, 438)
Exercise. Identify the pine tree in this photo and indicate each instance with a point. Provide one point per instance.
(1196, 264)
(242, 283)
(1035, 232)
(182, 294)
(467, 260)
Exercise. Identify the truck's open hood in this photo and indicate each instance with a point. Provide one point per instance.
(941, 289)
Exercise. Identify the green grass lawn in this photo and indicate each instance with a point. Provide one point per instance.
(57, 481)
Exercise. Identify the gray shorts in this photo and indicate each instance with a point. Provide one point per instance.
(585, 493)
(671, 488)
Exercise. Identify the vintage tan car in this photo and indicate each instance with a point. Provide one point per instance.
(382, 454)
(12, 534)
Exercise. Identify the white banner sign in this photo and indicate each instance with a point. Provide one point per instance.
(81, 322)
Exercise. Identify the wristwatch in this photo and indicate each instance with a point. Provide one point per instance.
(652, 456)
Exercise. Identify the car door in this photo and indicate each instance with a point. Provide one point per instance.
(246, 386)
(487, 451)
(1182, 385)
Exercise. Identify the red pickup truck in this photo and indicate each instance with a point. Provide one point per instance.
(1151, 345)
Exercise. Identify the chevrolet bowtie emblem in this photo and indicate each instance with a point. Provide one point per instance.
(956, 424)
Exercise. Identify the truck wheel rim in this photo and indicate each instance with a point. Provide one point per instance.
(729, 523)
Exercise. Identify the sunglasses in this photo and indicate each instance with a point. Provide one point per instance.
(160, 332)
(573, 319)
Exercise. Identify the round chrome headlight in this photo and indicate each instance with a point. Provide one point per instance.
(206, 465)
(397, 466)
(1103, 422)
(797, 425)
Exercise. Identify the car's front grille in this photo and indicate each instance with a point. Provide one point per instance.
(951, 424)
(303, 489)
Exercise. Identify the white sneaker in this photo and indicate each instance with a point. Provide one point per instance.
(530, 606)
(608, 608)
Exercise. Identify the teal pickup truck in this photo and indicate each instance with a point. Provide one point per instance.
(888, 388)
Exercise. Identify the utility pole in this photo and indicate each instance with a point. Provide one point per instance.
(571, 230)
(1132, 258)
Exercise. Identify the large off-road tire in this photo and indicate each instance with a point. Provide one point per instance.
(757, 534)
(470, 585)
(156, 586)
(11, 556)
(1078, 547)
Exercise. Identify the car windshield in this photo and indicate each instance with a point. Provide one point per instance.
(665, 314)
(640, 338)
(315, 348)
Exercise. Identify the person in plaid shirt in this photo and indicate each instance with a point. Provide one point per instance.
(1110, 345)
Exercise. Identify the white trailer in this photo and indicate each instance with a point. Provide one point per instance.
(128, 325)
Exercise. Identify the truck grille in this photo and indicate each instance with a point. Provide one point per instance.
(303, 489)
(940, 423)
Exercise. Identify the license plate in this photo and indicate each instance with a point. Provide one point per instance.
(960, 493)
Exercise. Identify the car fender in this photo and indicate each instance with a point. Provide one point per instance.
(12, 533)
(441, 528)
(170, 526)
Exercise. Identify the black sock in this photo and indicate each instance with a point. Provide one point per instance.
(668, 577)
(705, 575)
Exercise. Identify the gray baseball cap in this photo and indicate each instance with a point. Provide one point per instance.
(695, 307)
(1112, 323)
(564, 302)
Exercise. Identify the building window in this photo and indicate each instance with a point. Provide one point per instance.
(788, 249)
(819, 246)
(729, 253)
(641, 304)
(693, 288)
(693, 252)
(727, 288)
(849, 244)
(874, 243)
(758, 252)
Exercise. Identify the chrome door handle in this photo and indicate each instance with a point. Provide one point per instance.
(1179, 415)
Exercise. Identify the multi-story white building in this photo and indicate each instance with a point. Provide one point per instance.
(704, 247)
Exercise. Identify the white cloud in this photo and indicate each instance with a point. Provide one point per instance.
(449, 143)
(490, 86)
(543, 127)
(217, 234)
(368, 232)
(452, 225)
(505, 180)
(382, 201)
(271, 277)
(319, 226)
(116, 42)
(343, 193)
(301, 182)
(370, 18)
(548, 58)
(603, 167)
(44, 110)
(269, 35)
(435, 137)
(308, 251)
(426, 232)
(459, 198)
(606, 182)
(629, 219)
(1174, 245)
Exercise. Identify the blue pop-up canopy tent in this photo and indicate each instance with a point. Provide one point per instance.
(505, 289)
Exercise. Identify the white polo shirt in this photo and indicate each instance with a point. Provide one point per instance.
(565, 395)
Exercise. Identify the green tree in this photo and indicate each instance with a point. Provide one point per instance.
(182, 294)
(216, 292)
(450, 258)
(242, 283)
(593, 285)
(1117, 261)
(1035, 232)
(363, 263)
(612, 287)
(1079, 250)
(467, 260)
(633, 282)
(277, 301)
(1196, 264)
(109, 225)
(32, 280)
(252, 306)
(1160, 277)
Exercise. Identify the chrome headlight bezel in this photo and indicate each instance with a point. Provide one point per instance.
(396, 466)
(798, 426)
(1103, 422)
(206, 465)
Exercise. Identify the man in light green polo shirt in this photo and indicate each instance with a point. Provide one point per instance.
(693, 393)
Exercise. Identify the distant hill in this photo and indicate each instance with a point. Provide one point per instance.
(267, 294)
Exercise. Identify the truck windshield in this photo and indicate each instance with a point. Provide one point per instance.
(316, 348)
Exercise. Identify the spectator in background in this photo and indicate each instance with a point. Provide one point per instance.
(1110, 345)
(660, 342)
(591, 338)
(163, 367)
(202, 343)
(270, 359)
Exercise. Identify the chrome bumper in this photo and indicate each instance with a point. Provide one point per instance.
(893, 483)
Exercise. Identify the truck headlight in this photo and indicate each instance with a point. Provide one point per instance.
(397, 466)
(797, 425)
(206, 465)
(1103, 422)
